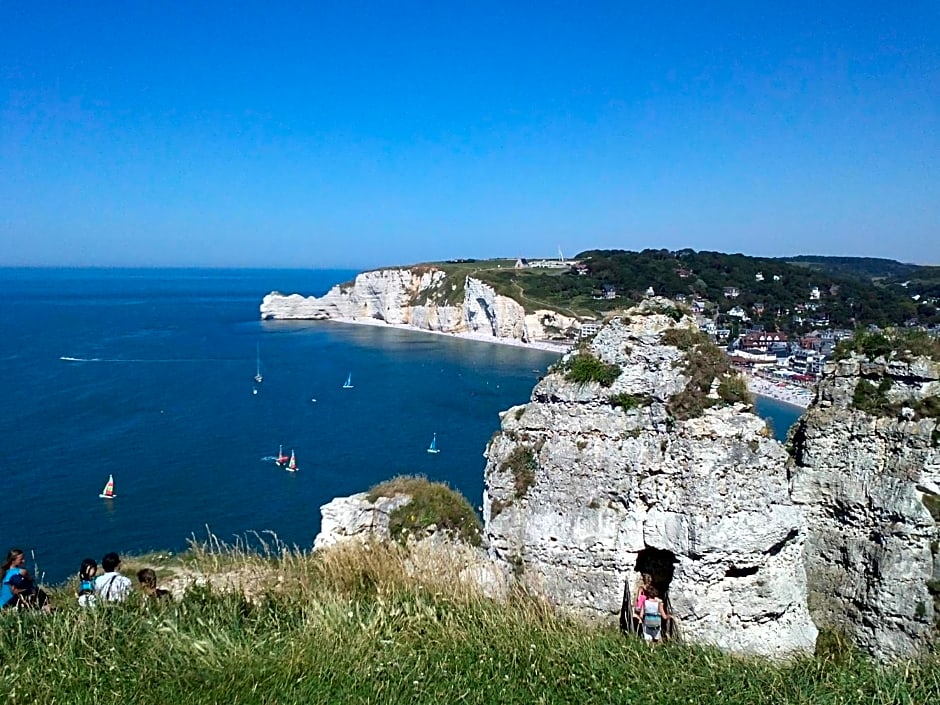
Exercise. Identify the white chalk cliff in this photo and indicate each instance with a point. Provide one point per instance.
(582, 496)
(426, 298)
(869, 483)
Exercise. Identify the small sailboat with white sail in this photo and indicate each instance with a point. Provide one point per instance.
(108, 491)
(292, 463)
(433, 447)
(348, 383)
(258, 377)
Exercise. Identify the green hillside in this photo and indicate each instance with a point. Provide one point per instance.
(382, 624)
(774, 292)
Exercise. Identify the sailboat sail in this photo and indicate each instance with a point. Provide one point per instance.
(433, 447)
(292, 465)
(108, 491)
(348, 384)
(281, 458)
(258, 378)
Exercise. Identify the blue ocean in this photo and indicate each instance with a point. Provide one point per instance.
(147, 376)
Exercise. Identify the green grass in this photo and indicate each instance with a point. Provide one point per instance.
(365, 625)
(432, 503)
(584, 367)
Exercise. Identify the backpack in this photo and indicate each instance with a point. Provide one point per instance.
(651, 616)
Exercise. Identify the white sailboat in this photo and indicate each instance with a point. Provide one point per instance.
(108, 491)
(433, 447)
(292, 463)
(348, 384)
(258, 378)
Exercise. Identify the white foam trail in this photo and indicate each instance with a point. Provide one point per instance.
(66, 358)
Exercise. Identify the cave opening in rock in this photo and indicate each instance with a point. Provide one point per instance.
(657, 566)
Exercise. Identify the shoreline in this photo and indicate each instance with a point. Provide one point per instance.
(789, 394)
(544, 346)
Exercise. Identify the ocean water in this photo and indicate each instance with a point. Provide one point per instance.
(146, 375)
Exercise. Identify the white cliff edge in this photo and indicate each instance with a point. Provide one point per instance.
(427, 299)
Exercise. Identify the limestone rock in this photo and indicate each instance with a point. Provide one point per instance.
(581, 496)
(355, 517)
(425, 298)
(867, 484)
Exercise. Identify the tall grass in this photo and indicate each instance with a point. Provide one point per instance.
(382, 624)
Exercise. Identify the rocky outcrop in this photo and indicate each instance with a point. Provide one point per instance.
(426, 298)
(869, 482)
(588, 486)
(356, 518)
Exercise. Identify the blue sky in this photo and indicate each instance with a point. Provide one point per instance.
(353, 134)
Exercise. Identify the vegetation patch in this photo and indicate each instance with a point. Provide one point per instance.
(522, 463)
(704, 362)
(432, 504)
(630, 401)
(357, 624)
(733, 389)
(893, 343)
(497, 506)
(674, 312)
(873, 399)
(584, 367)
(684, 338)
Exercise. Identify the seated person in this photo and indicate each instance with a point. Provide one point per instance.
(147, 578)
(112, 586)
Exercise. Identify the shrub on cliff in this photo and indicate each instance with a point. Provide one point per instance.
(432, 504)
(892, 343)
(704, 362)
(522, 463)
(630, 401)
(584, 367)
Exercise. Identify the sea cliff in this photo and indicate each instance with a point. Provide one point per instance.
(425, 298)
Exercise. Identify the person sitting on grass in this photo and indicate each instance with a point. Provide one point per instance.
(112, 586)
(19, 589)
(86, 582)
(147, 578)
(654, 612)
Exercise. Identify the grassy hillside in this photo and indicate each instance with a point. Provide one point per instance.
(378, 624)
(776, 292)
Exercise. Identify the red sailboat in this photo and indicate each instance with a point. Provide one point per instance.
(281, 459)
(292, 463)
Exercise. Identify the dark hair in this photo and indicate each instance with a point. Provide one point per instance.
(11, 556)
(652, 592)
(110, 561)
(88, 569)
(147, 577)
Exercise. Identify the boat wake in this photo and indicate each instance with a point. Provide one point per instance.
(268, 459)
(66, 358)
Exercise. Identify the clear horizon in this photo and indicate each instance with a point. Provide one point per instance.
(354, 136)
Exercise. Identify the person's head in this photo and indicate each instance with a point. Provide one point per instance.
(14, 559)
(651, 592)
(147, 578)
(110, 562)
(88, 569)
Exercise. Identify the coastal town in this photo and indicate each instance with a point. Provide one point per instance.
(782, 362)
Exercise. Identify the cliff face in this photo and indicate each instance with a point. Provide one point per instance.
(582, 496)
(869, 482)
(426, 298)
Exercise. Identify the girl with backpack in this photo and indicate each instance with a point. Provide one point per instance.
(86, 582)
(653, 613)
